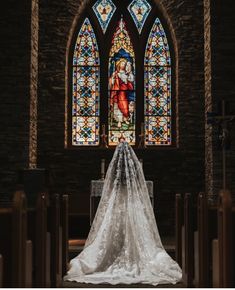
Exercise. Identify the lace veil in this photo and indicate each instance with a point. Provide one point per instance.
(123, 245)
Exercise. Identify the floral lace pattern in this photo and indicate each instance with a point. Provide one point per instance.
(123, 245)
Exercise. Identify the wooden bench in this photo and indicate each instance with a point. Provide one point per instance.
(203, 237)
(205, 247)
(14, 246)
(1, 271)
(65, 238)
(58, 228)
(178, 228)
(224, 245)
(55, 228)
(186, 238)
(38, 233)
(201, 266)
(187, 231)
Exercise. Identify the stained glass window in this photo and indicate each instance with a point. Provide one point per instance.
(104, 10)
(157, 88)
(85, 101)
(128, 98)
(121, 87)
(139, 10)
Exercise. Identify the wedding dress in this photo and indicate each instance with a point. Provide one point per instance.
(124, 246)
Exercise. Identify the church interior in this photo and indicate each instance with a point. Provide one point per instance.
(78, 75)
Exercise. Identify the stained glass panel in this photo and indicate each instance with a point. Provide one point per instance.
(157, 50)
(157, 88)
(85, 106)
(121, 87)
(85, 131)
(157, 91)
(104, 10)
(86, 50)
(139, 10)
(158, 130)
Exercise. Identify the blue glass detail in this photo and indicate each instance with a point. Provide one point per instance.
(139, 10)
(104, 10)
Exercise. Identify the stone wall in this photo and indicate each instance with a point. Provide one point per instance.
(15, 39)
(33, 100)
(172, 170)
(220, 71)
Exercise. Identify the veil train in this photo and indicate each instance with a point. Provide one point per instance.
(123, 245)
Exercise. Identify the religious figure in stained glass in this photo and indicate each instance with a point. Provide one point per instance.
(139, 10)
(85, 102)
(157, 88)
(104, 10)
(121, 87)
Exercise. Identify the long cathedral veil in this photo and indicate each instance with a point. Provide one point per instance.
(123, 245)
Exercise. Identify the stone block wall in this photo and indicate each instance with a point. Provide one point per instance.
(15, 45)
(34, 39)
(220, 85)
(175, 170)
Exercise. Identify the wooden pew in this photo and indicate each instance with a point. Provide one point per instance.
(65, 238)
(29, 265)
(208, 232)
(188, 228)
(215, 264)
(207, 240)
(226, 240)
(38, 233)
(178, 228)
(13, 243)
(58, 227)
(215, 230)
(202, 267)
(1, 271)
(55, 229)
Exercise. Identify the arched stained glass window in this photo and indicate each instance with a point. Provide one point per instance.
(157, 88)
(121, 87)
(132, 99)
(85, 103)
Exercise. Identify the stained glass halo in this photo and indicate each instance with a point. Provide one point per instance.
(104, 10)
(139, 10)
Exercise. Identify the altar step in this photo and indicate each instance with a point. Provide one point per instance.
(76, 246)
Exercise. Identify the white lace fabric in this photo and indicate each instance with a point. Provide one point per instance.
(123, 245)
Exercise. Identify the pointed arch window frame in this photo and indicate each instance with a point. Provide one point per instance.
(139, 43)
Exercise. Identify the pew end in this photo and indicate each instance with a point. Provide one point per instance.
(1, 271)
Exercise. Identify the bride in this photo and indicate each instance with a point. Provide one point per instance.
(124, 246)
